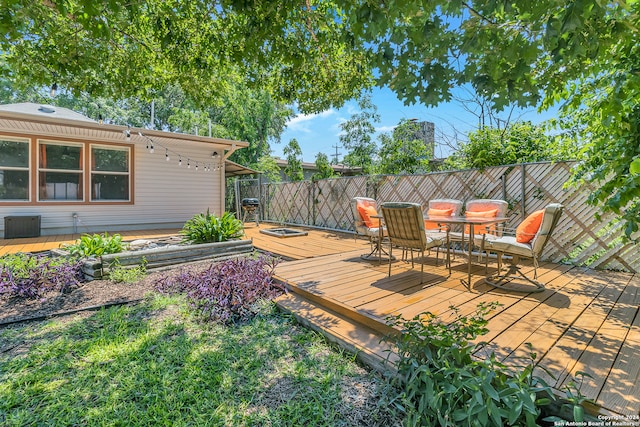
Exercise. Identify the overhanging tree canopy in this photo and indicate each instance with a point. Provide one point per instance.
(583, 53)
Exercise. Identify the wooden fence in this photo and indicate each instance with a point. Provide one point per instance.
(580, 238)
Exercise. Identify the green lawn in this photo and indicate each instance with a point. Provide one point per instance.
(153, 364)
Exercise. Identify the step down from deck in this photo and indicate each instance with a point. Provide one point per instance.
(346, 333)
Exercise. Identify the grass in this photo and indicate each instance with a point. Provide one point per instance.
(153, 364)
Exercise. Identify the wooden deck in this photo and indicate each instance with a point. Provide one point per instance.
(585, 320)
(46, 243)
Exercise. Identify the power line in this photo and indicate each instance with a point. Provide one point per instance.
(335, 156)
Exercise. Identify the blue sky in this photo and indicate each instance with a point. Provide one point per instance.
(320, 132)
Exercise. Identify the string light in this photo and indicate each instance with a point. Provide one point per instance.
(127, 134)
(150, 146)
(54, 89)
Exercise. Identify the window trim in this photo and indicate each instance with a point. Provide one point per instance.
(34, 190)
(81, 172)
(129, 173)
(28, 141)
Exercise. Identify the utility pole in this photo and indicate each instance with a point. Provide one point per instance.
(335, 156)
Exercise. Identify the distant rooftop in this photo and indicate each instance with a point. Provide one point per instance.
(43, 110)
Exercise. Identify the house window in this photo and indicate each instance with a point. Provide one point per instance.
(60, 171)
(14, 170)
(110, 173)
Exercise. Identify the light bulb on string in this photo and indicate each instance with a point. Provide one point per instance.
(166, 154)
(188, 163)
(151, 150)
(196, 166)
(54, 89)
(127, 134)
(179, 160)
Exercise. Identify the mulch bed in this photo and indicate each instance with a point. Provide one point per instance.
(89, 295)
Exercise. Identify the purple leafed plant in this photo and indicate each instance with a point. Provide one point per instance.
(31, 276)
(226, 291)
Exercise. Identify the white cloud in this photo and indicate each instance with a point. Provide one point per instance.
(385, 128)
(302, 122)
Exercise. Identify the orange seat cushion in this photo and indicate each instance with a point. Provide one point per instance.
(366, 212)
(481, 214)
(431, 225)
(528, 228)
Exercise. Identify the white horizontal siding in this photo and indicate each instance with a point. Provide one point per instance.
(165, 195)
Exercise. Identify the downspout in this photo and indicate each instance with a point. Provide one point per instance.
(222, 178)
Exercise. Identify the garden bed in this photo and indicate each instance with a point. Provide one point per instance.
(87, 295)
(164, 255)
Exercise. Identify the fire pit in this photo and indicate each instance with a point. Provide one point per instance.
(283, 232)
(250, 207)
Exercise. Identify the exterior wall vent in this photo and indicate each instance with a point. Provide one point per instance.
(21, 226)
(47, 109)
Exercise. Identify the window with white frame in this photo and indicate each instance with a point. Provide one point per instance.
(110, 177)
(60, 171)
(14, 169)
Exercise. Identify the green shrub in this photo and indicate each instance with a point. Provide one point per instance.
(208, 228)
(441, 383)
(96, 244)
(120, 274)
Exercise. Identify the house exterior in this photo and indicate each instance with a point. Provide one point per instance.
(309, 169)
(70, 174)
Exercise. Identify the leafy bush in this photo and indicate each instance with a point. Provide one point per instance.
(227, 291)
(208, 228)
(31, 276)
(120, 274)
(96, 244)
(442, 384)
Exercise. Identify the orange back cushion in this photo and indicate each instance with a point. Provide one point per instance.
(528, 228)
(477, 229)
(482, 207)
(366, 212)
(431, 225)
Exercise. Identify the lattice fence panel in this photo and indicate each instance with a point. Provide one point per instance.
(288, 202)
(580, 237)
(332, 201)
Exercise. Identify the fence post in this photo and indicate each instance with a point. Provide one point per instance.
(523, 190)
(503, 178)
(311, 199)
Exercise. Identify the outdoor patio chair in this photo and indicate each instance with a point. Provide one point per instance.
(481, 207)
(405, 229)
(528, 241)
(363, 208)
(441, 207)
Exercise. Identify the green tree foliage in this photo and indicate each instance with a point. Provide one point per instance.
(521, 142)
(357, 135)
(403, 151)
(269, 168)
(293, 154)
(131, 49)
(325, 170)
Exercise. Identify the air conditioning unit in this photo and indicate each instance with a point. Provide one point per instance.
(21, 226)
